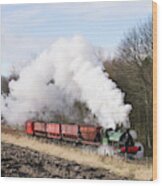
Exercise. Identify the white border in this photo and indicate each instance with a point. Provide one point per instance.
(45, 1)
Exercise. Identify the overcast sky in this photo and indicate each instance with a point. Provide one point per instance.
(28, 29)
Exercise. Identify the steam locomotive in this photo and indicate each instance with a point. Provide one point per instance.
(120, 140)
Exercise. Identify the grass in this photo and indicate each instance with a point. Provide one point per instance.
(132, 169)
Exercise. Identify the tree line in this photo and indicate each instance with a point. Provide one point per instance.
(132, 70)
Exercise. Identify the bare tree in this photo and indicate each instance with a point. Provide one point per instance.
(131, 69)
(136, 50)
(137, 45)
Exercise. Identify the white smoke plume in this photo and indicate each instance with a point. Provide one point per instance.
(70, 70)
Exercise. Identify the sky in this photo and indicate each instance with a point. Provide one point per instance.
(28, 29)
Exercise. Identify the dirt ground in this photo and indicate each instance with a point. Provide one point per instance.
(17, 161)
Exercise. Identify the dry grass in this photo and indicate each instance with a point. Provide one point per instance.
(133, 170)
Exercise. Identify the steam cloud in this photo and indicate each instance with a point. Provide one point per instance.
(69, 71)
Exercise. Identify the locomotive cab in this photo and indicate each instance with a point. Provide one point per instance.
(111, 137)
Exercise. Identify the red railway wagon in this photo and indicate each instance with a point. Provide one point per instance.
(90, 134)
(40, 128)
(53, 130)
(69, 131)
(29, 128)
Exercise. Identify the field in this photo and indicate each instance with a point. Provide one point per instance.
(24, 162)
(29, 157)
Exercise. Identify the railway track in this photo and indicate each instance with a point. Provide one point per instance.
(60, 142)
(71, 144)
